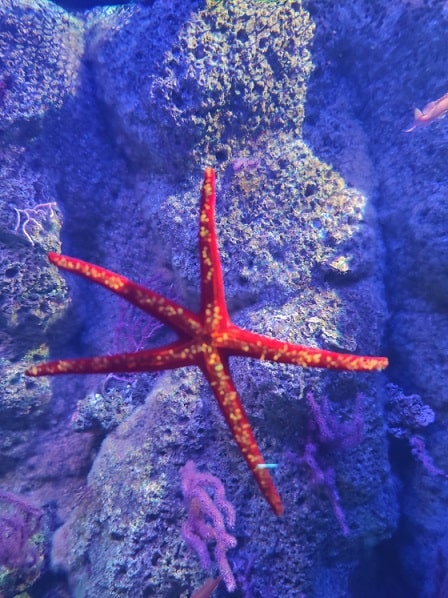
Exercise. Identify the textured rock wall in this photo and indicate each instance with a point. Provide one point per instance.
(382, 60)
(148, 95)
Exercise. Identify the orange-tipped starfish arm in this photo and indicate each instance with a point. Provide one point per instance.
(206, 339)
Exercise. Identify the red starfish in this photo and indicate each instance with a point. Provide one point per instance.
(206, 339)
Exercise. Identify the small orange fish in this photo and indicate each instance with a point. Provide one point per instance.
(208, 588)
(431, 112)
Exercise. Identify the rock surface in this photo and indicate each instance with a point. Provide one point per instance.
(330, 221)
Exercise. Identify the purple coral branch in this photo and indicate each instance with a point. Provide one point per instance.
(405, 415)
(330, 431)
(208, 514)
(326, 479)
(420, 452)
(19, 521)
(325, 430)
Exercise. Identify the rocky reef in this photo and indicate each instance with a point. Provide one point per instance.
(332, 234)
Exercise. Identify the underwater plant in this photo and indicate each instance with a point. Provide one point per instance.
(20, 557)
(209, 512)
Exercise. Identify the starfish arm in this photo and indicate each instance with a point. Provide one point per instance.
(217, 372)
(213, 303)
(249, 344)
(182, 320)
(172, 356)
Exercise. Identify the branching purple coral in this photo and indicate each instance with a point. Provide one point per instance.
(406, 414)
(326, 479)
(132, 331)
(330, 431)
(325, 430)
(19, 521)
(208, 515)
(420, 452)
